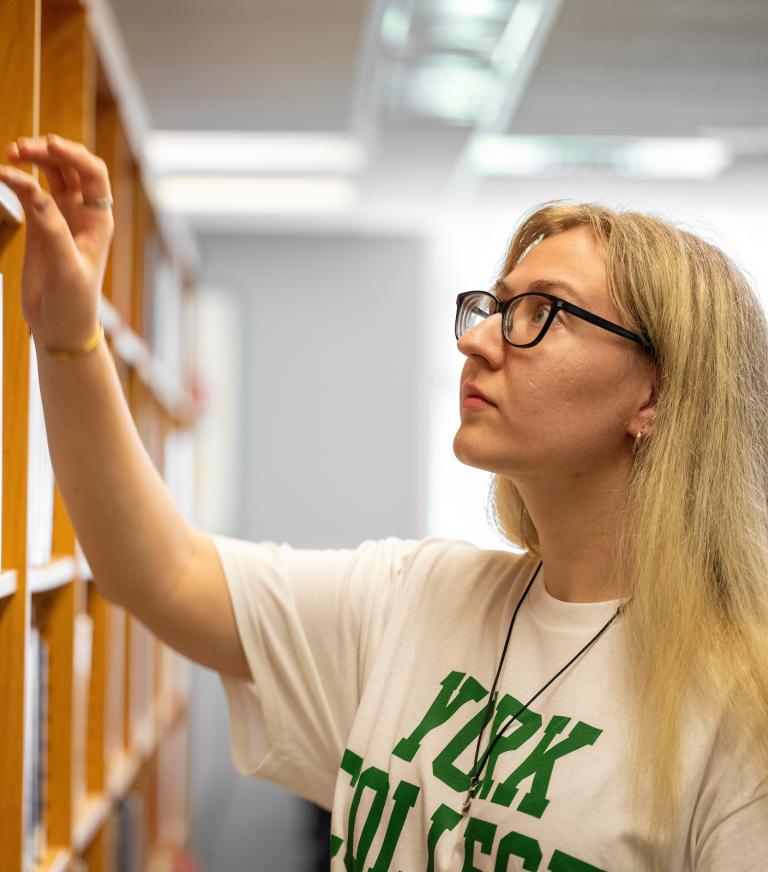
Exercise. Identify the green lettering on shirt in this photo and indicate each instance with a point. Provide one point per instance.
(517, 845)
(481, 832)
(351, 763)
(458, 689)
(528, 724)
(444, 819)
(377, 781)
(445, 705)
(540, 763)
(404, 798)
(444, 764)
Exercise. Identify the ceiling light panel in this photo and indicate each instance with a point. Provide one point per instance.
(256, 195)
(172, 151)
(452, 60)
(649, 157)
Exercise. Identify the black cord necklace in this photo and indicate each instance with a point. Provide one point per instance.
(477, 772)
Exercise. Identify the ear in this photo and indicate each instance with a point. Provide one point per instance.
(644, 418)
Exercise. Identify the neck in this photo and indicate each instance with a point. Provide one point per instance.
(577, 526)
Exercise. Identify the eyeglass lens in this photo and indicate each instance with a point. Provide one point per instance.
(523, 322)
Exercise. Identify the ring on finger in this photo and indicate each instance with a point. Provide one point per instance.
(98, 202)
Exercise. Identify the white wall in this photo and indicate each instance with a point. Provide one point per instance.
(328, 449)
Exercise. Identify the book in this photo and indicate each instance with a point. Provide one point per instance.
(39, 475)
(81, 675)
(35, 748)
(130, 850)
(31, 699)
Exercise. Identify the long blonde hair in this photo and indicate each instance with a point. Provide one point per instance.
(693, 538)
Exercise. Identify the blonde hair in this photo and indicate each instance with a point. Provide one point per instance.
(693, 538)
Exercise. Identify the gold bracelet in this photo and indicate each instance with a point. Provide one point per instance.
(62, 353)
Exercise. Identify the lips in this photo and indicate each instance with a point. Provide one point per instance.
(471, 390)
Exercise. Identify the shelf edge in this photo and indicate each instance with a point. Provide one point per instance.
(55, 574)
(8, 582)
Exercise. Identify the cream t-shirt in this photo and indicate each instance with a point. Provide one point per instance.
(372, 668)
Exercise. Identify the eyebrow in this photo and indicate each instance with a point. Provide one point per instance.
(547, 286)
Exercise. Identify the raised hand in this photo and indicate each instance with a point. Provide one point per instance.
(69, 232)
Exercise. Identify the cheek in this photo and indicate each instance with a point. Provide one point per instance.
(547, 387)
(567, 400)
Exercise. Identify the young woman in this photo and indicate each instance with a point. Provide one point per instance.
(598, 702)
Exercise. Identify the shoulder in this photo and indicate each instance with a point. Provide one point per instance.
(732, 801)
(453, 561)
(730, 829)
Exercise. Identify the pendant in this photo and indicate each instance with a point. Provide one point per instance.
(470, 794)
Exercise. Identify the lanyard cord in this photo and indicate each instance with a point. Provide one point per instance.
(489, 708)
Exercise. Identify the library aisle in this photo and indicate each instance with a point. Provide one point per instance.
(94, 750)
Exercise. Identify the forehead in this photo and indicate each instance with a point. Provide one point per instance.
(571, 260)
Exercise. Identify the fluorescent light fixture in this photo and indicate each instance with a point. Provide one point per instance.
(170, 151)
(747, 141)
(447, 86)
(476, 35)
(694, 158)
(518, 34)
(457, 60)
(671, 157)
(395, 25)
(256, 195)
(462, 25)
(469, 8)
(491, 155)
(514, 55)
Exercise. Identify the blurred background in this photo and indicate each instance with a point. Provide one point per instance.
(345, 168)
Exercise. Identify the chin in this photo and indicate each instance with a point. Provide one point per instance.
(462, 449)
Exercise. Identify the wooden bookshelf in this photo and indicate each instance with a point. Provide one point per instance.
(115, 708)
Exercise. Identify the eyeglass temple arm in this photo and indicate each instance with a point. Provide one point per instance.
(607, 325)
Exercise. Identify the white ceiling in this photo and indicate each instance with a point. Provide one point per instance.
(244, 64)
(652, 67)
(607, 67)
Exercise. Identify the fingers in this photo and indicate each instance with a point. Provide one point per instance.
(44, 220)
(60, 178)
(94, 177)
(53, 175)
(79, 168)
(26, 187)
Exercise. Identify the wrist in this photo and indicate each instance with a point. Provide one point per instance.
(74, 347)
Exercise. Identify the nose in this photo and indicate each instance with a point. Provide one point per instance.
(484, 339)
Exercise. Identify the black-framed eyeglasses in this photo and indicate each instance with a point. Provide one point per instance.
(525, 318)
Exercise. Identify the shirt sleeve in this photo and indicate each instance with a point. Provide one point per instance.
(733, 833)
(739, 840)
(310, 621)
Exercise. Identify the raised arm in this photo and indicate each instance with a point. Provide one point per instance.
(144, 555)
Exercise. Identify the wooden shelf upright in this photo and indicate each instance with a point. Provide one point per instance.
(19, 96)
(115, 699)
